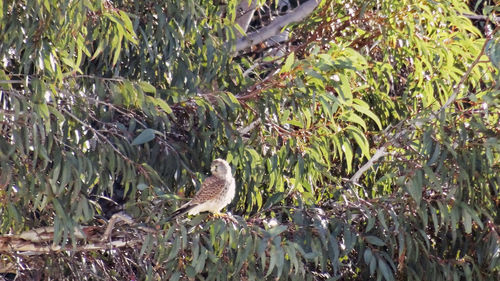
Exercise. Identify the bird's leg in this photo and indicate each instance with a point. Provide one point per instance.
(218, 214)
(226, 216)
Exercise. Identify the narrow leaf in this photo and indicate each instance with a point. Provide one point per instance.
(145, 136)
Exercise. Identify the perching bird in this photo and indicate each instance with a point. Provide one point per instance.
(216, 192)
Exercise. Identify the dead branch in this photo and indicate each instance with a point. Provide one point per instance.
(276, 26)
(245, 11)
(38, 241)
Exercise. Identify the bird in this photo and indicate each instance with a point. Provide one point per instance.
(216, 192)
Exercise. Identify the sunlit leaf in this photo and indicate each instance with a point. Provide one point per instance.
(288, 63)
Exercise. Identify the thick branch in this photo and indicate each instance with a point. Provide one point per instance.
(277, 25)
(37, 249)
(245, 11)
(37, 241)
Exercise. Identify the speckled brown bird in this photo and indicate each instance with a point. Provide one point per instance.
(216, 192)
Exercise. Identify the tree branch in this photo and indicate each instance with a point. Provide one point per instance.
(37, 241)
(382, 151)
(277, 25)
(456, 90)
(245, 11)
(480, 17)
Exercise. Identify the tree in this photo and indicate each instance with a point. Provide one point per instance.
(365, 145)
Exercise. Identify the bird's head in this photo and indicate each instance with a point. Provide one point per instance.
(220, 168)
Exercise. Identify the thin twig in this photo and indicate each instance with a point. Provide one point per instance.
(98, 134)
(11, 81)
(112, 106)
(116, 79)
(382, 151)
(467, 73)
(480, 17)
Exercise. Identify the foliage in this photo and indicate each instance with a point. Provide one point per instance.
(132, 100)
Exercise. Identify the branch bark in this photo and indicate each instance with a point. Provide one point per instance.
(245, 11)
(277, 25)
(381, 152)
(480, 17)
(37, 241)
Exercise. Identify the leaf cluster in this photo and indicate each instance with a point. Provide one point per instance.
(122, 106)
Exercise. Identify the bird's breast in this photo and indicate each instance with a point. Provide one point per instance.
(230, 191)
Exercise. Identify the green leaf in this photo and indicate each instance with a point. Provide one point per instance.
(415, 190)
(130, 34)
(370, 224)
(175, 248)
(163, 105)
(374, 240)
(344, 89)
(145, 136)
(373, 265)
(200, 263)
(386, 270)
(360, 139)
(367, 255)
(277, 230)
(493, 52)
(142, 186)
(58, 114)
(146, 87)
(118, 47)
(147, 245)
(14, 213)
(354, 118)
(364, 108)
(240, 30)
(176, 276)
(288, 63)
(43, 110)
(99, 49)
(347, 150)
(467, 221)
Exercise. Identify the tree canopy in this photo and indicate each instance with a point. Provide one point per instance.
(364, 137)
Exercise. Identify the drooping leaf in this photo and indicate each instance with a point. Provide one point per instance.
(145, 136)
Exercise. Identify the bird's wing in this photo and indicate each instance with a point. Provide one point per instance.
(210, 189)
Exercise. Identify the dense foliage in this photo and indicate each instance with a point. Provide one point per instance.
(367, 147)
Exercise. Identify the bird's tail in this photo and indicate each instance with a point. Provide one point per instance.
(181, 211)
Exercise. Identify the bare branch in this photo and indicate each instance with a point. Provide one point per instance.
(36, 241)
(480, 17)
(245, 11)
(114, 219)
(277, 25)
(381, 152)
(467, 73)
(247, 129)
